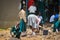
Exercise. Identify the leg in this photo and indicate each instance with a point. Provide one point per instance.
(18, 35)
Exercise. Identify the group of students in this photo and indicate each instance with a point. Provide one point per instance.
(54, 19)
(32, 20)
(20, 28)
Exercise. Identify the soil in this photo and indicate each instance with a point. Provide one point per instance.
(5, 35)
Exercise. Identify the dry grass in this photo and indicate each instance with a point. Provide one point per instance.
(5, 35)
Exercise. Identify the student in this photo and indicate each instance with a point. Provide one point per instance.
(22, 22)
(33, 22)
(56, 23)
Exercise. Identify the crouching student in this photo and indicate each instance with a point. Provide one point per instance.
(33, 22)
(15, 31)
(56, 26)
(56, 23)
(22, 22)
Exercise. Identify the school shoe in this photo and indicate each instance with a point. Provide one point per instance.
(57, 30)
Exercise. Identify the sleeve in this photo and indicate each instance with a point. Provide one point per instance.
(38, 20)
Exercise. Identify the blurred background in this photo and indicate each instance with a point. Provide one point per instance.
(8, 12)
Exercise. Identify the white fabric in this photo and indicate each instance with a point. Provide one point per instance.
(32, 9)
(52, 18)
(33, 20)
(19, 6)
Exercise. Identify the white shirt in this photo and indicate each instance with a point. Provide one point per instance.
(33, 20)
(32, 9)
(52, 18)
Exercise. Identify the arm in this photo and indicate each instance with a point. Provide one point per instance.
(38, 20)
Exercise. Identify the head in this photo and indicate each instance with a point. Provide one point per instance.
(24, 8)
(37, 13)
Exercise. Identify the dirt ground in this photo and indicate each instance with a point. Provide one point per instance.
(5, 35)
